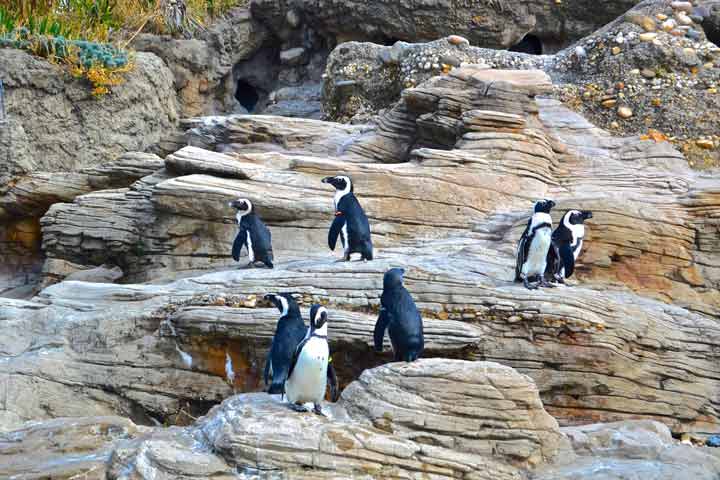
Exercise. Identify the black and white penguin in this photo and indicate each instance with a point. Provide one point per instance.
(253, 234)
(534, 245)
(567, 241)
(350, 223)
(310, 367)
(289, 332)
(400, 316)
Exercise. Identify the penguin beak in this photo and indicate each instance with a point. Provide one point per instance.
(551, 203)
(587, 214)
(327, 179)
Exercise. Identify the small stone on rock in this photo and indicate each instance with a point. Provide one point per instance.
(693, 34)
(682, 6)
(647, 73)
(713, 441)
(624, 112)
(661, 16)
(648, 36)
(457, 40)
(609, 103)
(705, 143)
(648, 24)
(668, 25)
(616, 50)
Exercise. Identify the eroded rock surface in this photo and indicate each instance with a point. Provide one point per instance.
(493, 24)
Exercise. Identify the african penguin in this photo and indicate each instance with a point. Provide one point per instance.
(253, 234)
(567, 241)
(400, 316)
(534, 245)
(310, 368)
(289, 332)
(350, 223)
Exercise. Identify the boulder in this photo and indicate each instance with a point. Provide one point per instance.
(496, 24)
(53, 114)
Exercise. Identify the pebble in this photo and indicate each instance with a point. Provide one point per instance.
(693, 34)
(684, 19)
(696, 18)
(677, 33)
(635, 71)
(656, 102)
(712, 90)
(713, 441)
(427, 66)
(580, 52)
(609, 103)
(616, 50)
(450, 60)
(705, 143)
(624, 112)
(648, 24)
(614, 124)
(648, 36)
(668, 25)
(457, 40)
(682, 6)
(620, 39)
(620, 85)
(661, 16)
(647, 73)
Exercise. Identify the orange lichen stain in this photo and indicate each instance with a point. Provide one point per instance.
(342, 441)
(26, 232)
(211, 356)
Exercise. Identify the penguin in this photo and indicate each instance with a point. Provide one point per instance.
(534, 245)
(567, 241)
(310, 367)
(289, 332)
(350, 223)
(253, 234)
(400, 316)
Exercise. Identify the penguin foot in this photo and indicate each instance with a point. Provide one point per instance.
(546, 284)
(298, 407)
(318, 411)
(529, 285)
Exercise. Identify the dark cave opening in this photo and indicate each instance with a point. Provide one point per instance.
(529, 44)
(247, 95)
(389, 41)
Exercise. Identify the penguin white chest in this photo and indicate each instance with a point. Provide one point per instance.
(537, 254)
(309, 378)
(251, 253)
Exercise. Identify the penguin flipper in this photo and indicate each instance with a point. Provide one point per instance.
(567, 259)
(295, 356)
(333, 382)
(552, 263)
(335, 230)
(268, 360)
(238, 244)
(522, 252)
(382, 323)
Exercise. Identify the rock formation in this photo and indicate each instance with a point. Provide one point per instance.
(130, 380)
(640, 74)
(493, 23)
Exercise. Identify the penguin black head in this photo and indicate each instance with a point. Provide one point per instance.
(393, 278)
(284, 302)
(242, 205)
(318, 316)
(544, 206)
(576, 217)
(340, 182)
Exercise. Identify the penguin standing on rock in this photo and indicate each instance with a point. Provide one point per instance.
(534, 245)
(400, 316)
(253, 234)
(567, 241)
(310, 366)
(350, 223)
(289, 332)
